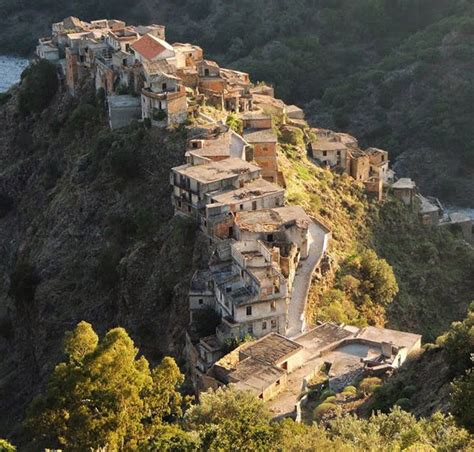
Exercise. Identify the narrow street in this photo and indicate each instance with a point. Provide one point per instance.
(301, 284)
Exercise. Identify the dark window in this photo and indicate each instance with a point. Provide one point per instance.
(241, 207)
(338, 152)
(206, 72)
(249, 310)
(325, 153)
(231, 232)
(189, 208)
(164, 86)
(254, 205)
(201, 301)
(195, 145)
(228, 289)
(270, 238)
(264, 325)
(274, 324)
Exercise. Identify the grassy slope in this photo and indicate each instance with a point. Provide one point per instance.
(434, 269)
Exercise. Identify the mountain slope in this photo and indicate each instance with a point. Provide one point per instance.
(86, 233)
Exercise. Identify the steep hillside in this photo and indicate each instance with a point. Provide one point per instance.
(433, 268)
(397, 74)
(86, 233)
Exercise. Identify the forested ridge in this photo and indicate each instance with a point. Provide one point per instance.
(397, 74)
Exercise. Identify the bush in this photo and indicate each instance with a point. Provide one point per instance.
(5, 446)
(404, 404)
(327, 393)
(293, 136)
(408, 391)
(83, 115)
(368, 385)
(38, 86)
(324, 410)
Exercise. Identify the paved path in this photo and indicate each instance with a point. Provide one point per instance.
(302, 280)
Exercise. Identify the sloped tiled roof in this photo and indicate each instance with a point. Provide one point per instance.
(150, 46)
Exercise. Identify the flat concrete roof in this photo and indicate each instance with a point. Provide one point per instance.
(254, 189)
(260, 136)
(269, 220)
(397, 338)
(215, 171)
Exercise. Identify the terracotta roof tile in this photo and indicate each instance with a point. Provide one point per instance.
(150, 47)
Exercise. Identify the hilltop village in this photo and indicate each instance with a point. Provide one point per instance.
(264, 253)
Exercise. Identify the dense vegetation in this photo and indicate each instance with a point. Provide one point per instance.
(388, 267)
(377, 68)
(103, 395)
(440, 377)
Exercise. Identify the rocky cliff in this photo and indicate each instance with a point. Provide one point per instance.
(86, 233)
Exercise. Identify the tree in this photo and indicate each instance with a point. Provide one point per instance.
(458, 344)
(234, 122)
(462, 400)
(400, 430)
(228, 419)
(5, 446)
(104, 395)
(39, 83)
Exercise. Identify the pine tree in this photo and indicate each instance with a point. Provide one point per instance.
(104, 395)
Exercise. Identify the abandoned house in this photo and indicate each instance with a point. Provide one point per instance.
(194, 185)
(264, 143)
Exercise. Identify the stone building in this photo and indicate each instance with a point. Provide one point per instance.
(264, 143)
(193, 186)
(405, 190)
(218, 144)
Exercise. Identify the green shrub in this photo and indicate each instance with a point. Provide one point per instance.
(83, 115)
(5, 446)
(404, 404)
(368, 385)
(327, 393)
(293, 136)
(408, 391)
(325, 409)
(38, 86)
